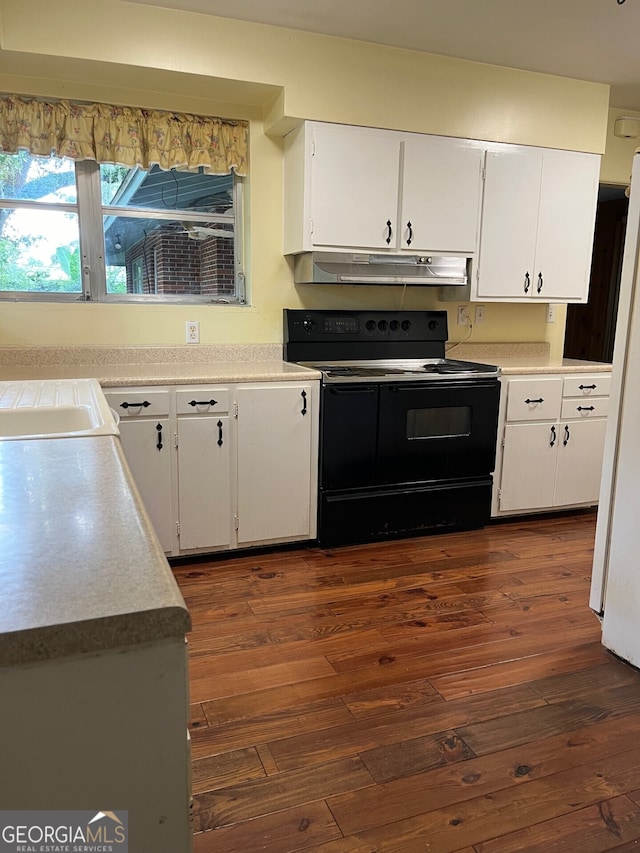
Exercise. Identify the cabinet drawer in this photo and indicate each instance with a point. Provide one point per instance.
(594, 407)
(136, 403)
(534, 399)
(202, 400)
(587, 386)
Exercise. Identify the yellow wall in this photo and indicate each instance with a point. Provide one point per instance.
(127, 53)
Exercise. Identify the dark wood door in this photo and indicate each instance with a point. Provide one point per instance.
(590, 329)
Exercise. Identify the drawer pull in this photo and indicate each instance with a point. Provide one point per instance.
(553, 436)
(567, 436)
(587, 387)
(586, 408)
(143, 404)
(202, 402)
(539, 400)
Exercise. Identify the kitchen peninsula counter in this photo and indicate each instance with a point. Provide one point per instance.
(92, 647)
(81, 570)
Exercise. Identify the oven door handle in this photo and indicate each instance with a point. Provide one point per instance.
(333, 390)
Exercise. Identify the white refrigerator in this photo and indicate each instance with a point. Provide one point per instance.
(615, 586)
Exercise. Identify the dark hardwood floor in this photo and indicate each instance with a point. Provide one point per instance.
(441, 694)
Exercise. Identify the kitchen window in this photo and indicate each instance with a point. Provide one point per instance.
(108, 232)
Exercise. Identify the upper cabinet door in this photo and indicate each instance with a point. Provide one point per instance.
(354, 187)
(441, 191)
(509, 224)
(566, 219)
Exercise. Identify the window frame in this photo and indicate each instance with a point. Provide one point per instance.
(91, 211)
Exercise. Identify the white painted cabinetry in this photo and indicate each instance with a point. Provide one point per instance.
(204, 467)
(526, 215)
(552, 441)
(538, 218)
(362, 188)
(146, 434)
(223, 467)
(275, 440)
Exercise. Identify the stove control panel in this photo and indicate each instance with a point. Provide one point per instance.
(301, 325)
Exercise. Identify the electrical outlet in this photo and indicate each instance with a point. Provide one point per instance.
(193, 332)
(464, 318)
(479, 314)
(551, 313)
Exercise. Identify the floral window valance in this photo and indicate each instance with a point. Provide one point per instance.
(127, 136)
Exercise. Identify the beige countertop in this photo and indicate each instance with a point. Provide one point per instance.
(523, 358)
(185, 365)
(80, 567)
(166, 373)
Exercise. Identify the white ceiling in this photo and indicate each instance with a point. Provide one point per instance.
(596, 40)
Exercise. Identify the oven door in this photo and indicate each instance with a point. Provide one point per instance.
(440, 430)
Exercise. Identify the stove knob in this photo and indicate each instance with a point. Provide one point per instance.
(433, 325)
(371, 325)
(394, 325)
(382, 325)
(406, 325)
(308, 324)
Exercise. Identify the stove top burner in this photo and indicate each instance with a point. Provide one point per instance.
(390, 371)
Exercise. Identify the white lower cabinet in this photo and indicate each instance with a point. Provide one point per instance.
(552, 442)
(236, 465)
(274, 472)
(146, 435)
(203, 440)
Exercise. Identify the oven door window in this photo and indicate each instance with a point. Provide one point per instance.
(442, 422)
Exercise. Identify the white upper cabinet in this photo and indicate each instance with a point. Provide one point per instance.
(354, 187)
(441, 192)
(538, 217)
(526, 215)
(380, 190)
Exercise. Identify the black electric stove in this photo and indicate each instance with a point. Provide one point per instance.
(407, 436)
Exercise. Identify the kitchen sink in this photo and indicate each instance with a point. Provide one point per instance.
(54, 408)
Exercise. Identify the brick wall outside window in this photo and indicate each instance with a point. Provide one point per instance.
(175, 264)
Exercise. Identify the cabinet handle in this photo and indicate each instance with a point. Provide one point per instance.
(586, 408)
(219, 425)
(202, 402)
(553, 436)
(567, 435)
(527, 282)
(303, 394)
(587, 387)
(159, 429)
(389, 231)
(540, 282)
(539, 400)
(145, 404)
(410, 237)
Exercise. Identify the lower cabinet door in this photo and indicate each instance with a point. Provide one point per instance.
(529, 466)
(204, 482)
(274, 462)
(579, 461)
(148, 453)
